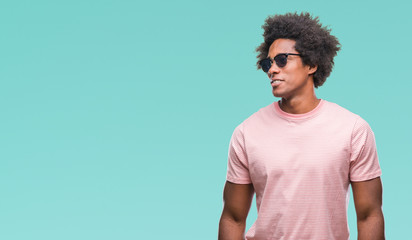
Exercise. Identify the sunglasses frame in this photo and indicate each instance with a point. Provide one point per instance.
(271, 60)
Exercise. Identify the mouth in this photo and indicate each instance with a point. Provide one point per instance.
(275, 82)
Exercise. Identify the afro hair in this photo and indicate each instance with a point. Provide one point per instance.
(313, 41)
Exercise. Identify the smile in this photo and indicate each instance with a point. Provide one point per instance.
(276, 80)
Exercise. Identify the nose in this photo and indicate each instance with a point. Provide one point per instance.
(274, 69)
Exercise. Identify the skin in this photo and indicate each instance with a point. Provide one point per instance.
(367, 196)
(296, 89)
(297, 95)
(237, 198)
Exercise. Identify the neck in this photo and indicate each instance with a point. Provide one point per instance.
(299, 105)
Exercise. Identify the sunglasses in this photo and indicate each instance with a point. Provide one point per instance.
(280, 60)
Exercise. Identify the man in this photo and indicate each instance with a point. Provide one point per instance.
(300, 154)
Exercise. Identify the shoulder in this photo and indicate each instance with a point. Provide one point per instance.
(338, 109)
(262, 115)
(345, 116)
(335, 111)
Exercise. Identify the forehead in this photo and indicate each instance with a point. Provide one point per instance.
(282, 45)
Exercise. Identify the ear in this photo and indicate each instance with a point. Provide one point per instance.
(312, 69)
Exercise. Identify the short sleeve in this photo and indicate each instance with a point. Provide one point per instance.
(237, 168)
(364, 163)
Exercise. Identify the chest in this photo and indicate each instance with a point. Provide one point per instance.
(298, 153)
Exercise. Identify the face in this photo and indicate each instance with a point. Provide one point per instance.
(294, 79)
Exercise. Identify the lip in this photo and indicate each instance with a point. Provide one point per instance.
(275, 84)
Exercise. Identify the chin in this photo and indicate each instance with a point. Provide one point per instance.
(278, 95)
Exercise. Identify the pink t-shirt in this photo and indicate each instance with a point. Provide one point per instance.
(301, 166)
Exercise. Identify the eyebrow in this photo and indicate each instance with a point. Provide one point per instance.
(289, 53)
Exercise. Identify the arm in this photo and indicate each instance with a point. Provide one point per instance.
(367, 196)
(237, 200)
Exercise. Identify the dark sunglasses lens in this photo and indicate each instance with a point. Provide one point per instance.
(265, 64)
(281, 60)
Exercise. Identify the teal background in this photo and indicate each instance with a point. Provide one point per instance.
(116, 115)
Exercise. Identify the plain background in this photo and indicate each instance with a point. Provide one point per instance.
(116, 115)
